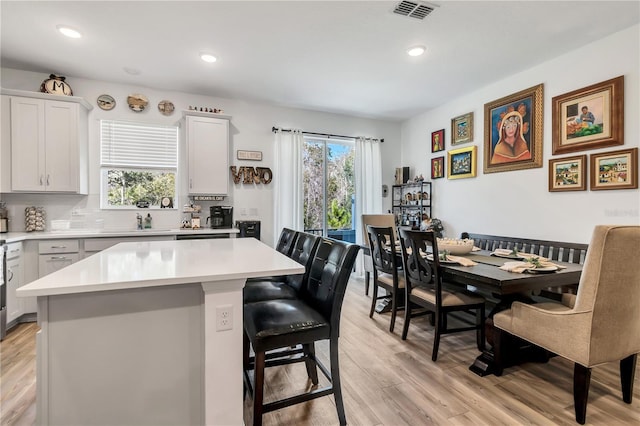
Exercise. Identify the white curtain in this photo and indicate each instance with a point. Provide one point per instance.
(368, 184)
(288, 200)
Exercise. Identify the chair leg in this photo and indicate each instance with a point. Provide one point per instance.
(627, 374)
(258, 389)
(367, 275)
(436, 337)
(310, 363)
(374, 297)
(480, 330)
(335, 380)
(407, 316)
(581, 381)
(394, 309)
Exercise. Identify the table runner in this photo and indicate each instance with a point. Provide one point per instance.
(487, 260)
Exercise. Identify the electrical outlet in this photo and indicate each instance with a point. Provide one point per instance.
(224, 317)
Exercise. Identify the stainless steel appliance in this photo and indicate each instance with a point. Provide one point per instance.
(4, 218)
(220, 217)
(3, 290)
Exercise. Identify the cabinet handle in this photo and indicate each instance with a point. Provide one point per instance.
(41, 179)
(59, 258)
(10, 275)
(190, 183)
(14, 251)
(58, 247)
(47, 180)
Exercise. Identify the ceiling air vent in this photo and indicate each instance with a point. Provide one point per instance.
(414, 9)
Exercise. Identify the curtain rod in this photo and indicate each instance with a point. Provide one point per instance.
(275, 129)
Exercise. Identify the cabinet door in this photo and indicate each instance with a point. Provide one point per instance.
(49, 263)
(27, 144)
(15, 305)
(208, 152)
(61, 147)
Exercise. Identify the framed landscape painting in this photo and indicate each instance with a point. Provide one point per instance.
(437, 141)
(437, 168)
(513, 131)
(589, 118)
(462, 129)
(615, 170)
(568, 174)
(462, 163)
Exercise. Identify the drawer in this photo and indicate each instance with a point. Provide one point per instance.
(58, 246)
(99, 244)
(48, 263)
(14, 250)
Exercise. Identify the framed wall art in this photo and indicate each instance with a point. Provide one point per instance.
(437, 168)
(568, 174)
(462, 129)
(614, 170)
(513, 131)
(589, 118)
(249, 155)
(437, 141)
(461, 163)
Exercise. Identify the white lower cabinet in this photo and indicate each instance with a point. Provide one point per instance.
(15, 305)
(56, 254)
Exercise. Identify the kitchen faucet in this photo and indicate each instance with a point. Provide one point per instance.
(139, 220)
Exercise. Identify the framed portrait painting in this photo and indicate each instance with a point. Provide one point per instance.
(568, 174)
(615, 170)
(437, 141)
(589, 118)
(437, 168)
(513, 131)
(462, 129)
(461, 163)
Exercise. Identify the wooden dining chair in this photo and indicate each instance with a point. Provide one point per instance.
(276, 329)
(380, 220)
(424, 289)
(598, 325)
(386, 273)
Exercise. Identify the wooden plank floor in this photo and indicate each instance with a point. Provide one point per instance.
(389, 382)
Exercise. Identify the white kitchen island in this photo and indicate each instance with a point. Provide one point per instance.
(130, 335)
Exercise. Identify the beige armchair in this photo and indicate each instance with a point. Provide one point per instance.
(381, 220)
(598, 325)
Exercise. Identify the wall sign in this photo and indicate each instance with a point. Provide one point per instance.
(249, 155)
(248, 175)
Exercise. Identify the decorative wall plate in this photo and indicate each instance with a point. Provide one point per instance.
(56, 85)
(137, 102)
(166, 107)
(106, 102)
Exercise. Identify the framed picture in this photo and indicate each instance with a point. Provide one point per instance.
(615, 170)
(462, 129)
(437, 168)
(513, 131)
(249, 155)
(437, 141)
(462, 163)
(568, 174)
(589, 118)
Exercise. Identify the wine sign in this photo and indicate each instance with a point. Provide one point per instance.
(249, 175)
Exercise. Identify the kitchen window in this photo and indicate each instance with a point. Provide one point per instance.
(329, 190)
(139, 164)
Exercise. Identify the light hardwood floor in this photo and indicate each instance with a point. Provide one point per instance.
(387, 381)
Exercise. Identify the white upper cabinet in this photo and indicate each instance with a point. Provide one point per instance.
(208, 153)
(48, 145)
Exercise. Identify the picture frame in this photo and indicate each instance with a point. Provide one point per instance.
(249, 155)
(568, 173)
(461, 162)
(437, 141)
(437, 167)
(614, 170)
(462, 129)
(513, 131)
(589, 118)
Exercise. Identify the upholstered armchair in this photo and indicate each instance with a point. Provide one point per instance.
(379, 220)
(598, 325)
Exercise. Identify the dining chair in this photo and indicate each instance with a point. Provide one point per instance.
(285, 245)
(600, 324)
(382, 220)
(424, 289)
(277, 328)
(386, 273)
(288, 286)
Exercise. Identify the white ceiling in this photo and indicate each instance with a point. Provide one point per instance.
(346, 57)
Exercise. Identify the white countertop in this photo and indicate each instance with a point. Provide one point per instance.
(12, 237)
(159, 263)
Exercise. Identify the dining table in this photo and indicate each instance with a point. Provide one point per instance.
(486, 276)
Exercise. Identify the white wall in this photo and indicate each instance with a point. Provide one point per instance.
(250, 130)
(518, 203)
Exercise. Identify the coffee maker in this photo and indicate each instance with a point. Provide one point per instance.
(220, 217)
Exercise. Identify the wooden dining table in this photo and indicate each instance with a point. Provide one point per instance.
(506, 287)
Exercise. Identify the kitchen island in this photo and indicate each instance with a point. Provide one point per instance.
(147, 333)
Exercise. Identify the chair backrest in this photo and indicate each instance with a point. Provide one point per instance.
(380, 220)
(383, 250)
(287, 240)
(303, 250)
(415, 245)
(610, 287)
(327, 282)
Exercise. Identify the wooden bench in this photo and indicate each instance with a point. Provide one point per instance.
(554, 250)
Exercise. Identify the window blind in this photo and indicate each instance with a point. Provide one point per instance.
(136, 145)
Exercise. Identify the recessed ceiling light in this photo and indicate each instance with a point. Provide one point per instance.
(208, 57)
(416, 50)
(69, 32)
